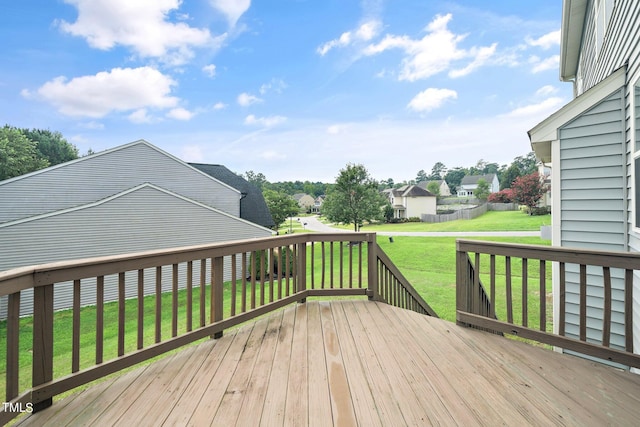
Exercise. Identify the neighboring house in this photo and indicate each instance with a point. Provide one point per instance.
(252, 204)
(411, 201)
(544, 171)
(593, 146)
(128, 199)
(317, 204)
(469, 184)
(442, 185)
(305, 201)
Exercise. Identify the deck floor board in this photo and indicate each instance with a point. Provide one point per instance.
(355, 362)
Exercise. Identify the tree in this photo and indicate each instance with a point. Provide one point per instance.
(354, 199)
(528, 190)
(434, 188)
(509, 176)
(281, 206)
(257, 179)
(18, 154)
(52, 145)
(527, 164)
(482, 191)
(438, 171)
(454, 178)
(421, 176)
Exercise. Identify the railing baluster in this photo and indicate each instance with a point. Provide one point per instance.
(525, 291)
(360, 264)
(203, 284)
(271, 261)
(212, 296)
(174, 301)
(476, 300)
(492, 285)
(13, 346)
(243, 299)
(562, 299)
(294, 268)
(189, 313)
(287, 270)
(280, 272)
(323, 266)
(606, 317)
(140, 309)
(341, 281)
(253, 258)
(75, 351)
(312, 262)
(99, 318)
(628, 309)
(543, 295)
(372, 265)
(158, 335)
(350, 265)
(507, 265)
(234, 274)
(583, 302)
(262, 274)
(217, 294)
(121, 313)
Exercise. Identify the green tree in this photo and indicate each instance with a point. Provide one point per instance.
(434, 188)
(527, 164)
(354, 199)
(281, 206)
(509, 176)
(257, 179)
(528, 190)
(18, 154)
(52, 145)
(454, 178)
(482, 191)
(438, 171)
(421, 176)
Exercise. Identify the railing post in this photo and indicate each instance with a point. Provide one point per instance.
(42, 365)
(372, 266)
(217, 267)
(462, 285)
(301, 269)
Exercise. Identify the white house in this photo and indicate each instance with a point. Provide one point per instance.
(442, 186)
(593, 146)
(131, 198)
(411, 201)
(469, 184)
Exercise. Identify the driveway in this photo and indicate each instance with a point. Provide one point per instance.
(314, 224)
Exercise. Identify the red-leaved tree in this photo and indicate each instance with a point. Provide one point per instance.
(528, 190)
(502, 196)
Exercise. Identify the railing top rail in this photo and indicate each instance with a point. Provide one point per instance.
(616, 259)
(21, 278)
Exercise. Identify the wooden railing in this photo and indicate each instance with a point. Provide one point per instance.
(169, 298)
(521, 298)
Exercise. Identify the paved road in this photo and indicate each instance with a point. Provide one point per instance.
(314, 224)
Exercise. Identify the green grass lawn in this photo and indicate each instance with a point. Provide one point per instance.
(490, 221)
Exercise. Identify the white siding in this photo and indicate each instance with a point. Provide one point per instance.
(104, 174)
(145, 218)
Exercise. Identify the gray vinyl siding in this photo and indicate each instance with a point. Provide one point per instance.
(621, 44)
(102, 175)
(143, 219)
(593, 202)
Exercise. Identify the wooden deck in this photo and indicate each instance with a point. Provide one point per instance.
(356, 363)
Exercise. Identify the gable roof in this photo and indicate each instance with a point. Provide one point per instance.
(252, 204)
(416, 191)
(473, 179)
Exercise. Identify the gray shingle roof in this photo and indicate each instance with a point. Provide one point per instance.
(252, 205)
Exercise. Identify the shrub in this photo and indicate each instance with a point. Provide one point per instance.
(503, 196)
(414, 219)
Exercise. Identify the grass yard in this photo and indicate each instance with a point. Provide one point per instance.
(490, 221)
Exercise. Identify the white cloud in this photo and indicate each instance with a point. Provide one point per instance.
(209, 70)
(272, 155)
(246, 99)
(546, 41)
(219, 106)
(550, 63)
(231, 9)
(142, 26)
(264, 121)
(275, 85)
(431, 99)
(546, 90)
(180, 114)
(363, 33)
(434, 53)
(539, 109)
(121, 89)
(336, 129)
(140, 116)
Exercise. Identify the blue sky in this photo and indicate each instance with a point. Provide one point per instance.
(294, 89)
